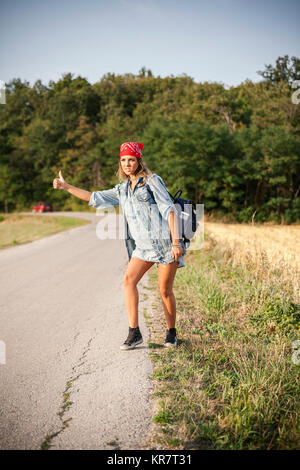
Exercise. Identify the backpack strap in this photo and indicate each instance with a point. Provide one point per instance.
(177, 195)
(150, 191)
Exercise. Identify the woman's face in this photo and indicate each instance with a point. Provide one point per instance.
(129, 164)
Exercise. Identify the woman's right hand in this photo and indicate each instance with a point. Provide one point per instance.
(59, 183)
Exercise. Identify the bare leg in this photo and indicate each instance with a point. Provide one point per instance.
(166, 276)
(135, 271)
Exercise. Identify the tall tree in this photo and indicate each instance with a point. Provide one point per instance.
(286, 69)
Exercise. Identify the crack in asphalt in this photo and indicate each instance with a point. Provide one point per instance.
(67, 403)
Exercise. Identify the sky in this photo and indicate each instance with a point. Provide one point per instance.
(225, 41)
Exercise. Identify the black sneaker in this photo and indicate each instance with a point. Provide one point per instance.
(171, 339)
(133, 339)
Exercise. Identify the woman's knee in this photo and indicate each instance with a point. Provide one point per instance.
(165, 291)
(129, 280)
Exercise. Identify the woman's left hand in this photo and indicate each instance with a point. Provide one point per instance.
(177, 251)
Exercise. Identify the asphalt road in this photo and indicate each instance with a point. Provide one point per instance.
(65, 382)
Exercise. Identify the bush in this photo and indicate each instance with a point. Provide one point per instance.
(245, 215)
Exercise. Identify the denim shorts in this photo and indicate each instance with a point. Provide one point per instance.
(150, 255)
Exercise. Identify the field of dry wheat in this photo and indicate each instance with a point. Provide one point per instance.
(271, 248)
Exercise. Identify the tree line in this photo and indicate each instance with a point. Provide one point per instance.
(234, 149)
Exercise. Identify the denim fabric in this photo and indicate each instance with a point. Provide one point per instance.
(138, 231)
(150, 255)
(147, 231)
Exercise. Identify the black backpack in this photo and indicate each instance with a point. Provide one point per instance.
(187, 215)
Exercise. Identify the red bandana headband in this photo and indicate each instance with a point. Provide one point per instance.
(131, 148)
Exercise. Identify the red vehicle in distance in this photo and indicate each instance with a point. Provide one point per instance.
(42, 207)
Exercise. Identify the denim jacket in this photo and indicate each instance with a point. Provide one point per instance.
(152, 215)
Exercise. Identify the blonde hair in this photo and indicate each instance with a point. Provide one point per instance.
(142, 170)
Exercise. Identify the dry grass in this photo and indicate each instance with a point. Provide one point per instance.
(16, 229)
(231, 383)
(267, 248)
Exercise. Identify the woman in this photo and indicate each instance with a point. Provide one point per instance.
(151, 234)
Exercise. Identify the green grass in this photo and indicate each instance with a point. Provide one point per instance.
(46, 444)
(231, 383)
(16, 229)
